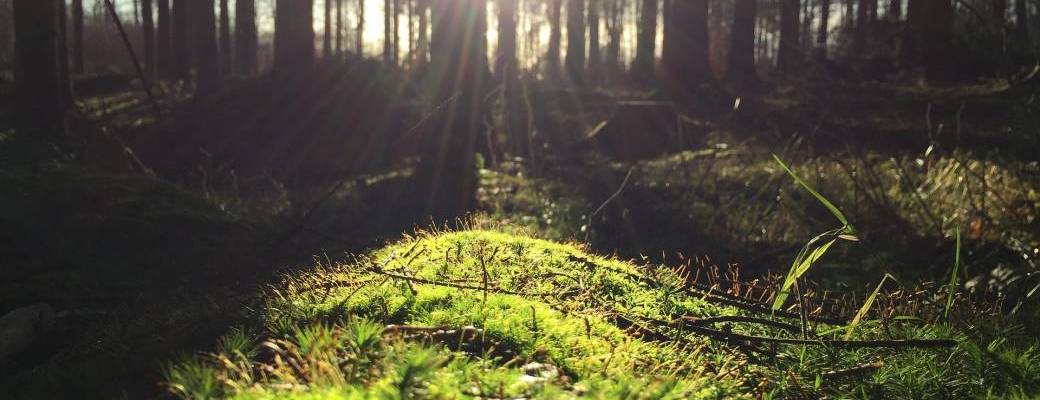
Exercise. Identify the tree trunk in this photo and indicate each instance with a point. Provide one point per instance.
(293, 35)
(78, 63)
(162, 39)
(180, 68)
(395, 52)
(684, 61)
(789, 54)
(339, 28)
(388, 26)
(823, 31)
(448, 174)
(575, 61)
(246, 37)
(895, 9)
(225, 38)
(207, 61)
(507, 73)
(326, 46)
(555, 36)
(859, 39)
(595, 70)
(424, 39)
(148, 31)
(741, 67)
(40, 85)
(646, 41)
(928, 43)
(615, 29)
(1000, 12)
(359, 45)
(1022, 22)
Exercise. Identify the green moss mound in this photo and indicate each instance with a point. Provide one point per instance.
(494, 315)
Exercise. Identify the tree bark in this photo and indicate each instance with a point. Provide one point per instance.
(741, 66)
(1000, 12)
(448, 174)
(507, 73)
(1022, 22)
(207, 61)
(595, 69)
(326, 46)
(225, 38)
(148, 31)
(162, 39)
(180, 68)
(789, 54)
(555, 36)
(388, 26)
(359, 45)
(78, 63)
(646, 42)
(895, 10)
(927, 41)
(294, 35)
(246, 37)
(575, 61)
(615, 29)
(339, 28)
(823, 31)
(684, 58)
(424, 39)
(40, 85)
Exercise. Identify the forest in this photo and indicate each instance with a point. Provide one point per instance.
(520, 199)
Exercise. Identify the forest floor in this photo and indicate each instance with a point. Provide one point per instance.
(212, 282)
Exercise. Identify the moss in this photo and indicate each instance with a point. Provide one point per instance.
(503, 315)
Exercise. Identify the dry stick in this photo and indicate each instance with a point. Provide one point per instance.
(133, 57)
(738, 319)
(605, 203)
(857, 370)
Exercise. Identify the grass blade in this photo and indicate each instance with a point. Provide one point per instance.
(799, 268)
(866, 305)
(826, 203)
(952, 288)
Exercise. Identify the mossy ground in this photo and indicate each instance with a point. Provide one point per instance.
(490, 314)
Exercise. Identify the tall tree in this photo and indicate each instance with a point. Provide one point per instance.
(927, 43)
(1022, 21)
(78, 63)
(246, 37)
(861, 28)
(575, 61)
(424, 39)
(162, 39)
(148, 30)
(646, 41)
(293, 35)
(326, 48)
(225, 38)
(555, 36)
(684, 58)
(895, 9)
(789, 53)
(207, 58)
(41, 87)
(388, 29)
(740, 70)
(506, 69)
(359, 42)
(180, 68)
(6, 32)
(823, 30)
(339, 27)
(999, 9)
(458, 68)
(615, 29)
(595, 56)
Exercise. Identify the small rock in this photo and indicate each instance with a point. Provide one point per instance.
(21, 327)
